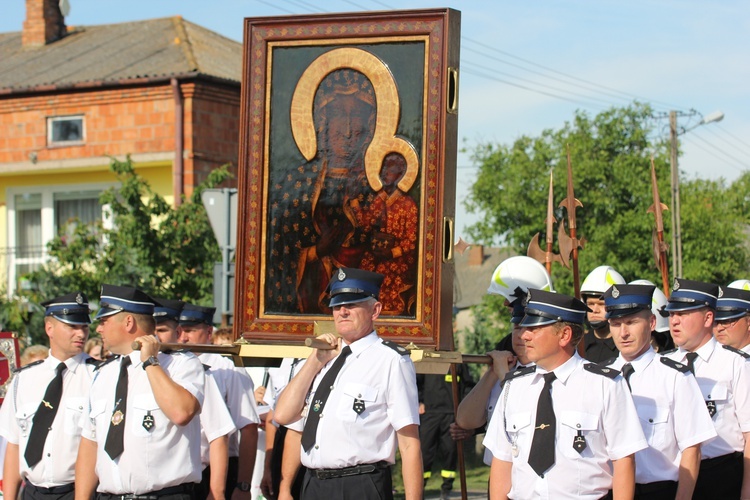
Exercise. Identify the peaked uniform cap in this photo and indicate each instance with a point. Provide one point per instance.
(72, 308)
(546, 308)
(349, 286)
(195, 315)
(691, 294)
(732, 303)
(167, 310)
(624, 300)
(116, 299)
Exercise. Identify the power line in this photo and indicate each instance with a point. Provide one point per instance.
(523, 87)
(275, 6)
(609, 103)
(631, 96)
(732, 135)
(733, 161)
(716, 134)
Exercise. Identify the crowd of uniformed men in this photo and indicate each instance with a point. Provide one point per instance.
(642, 421)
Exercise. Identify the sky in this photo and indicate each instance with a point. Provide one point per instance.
(528, 66)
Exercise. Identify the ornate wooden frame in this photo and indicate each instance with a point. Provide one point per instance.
(10, 360)
(420, 51)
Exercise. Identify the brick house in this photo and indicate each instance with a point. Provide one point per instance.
(165, 91)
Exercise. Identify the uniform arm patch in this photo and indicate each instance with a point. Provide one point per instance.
(601, 370)
(736, 351)
(106, 362)
(519, 373)
(674, 364)
(399, 349)
(18, 370)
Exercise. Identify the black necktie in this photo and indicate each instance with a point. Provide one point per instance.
(627, 371)
(542, 452)
(315, 410)
(114, 443)
(43, 418)
(691, 357)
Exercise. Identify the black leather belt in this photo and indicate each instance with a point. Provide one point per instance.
(186, 488)
(355, 470)
(54, 490)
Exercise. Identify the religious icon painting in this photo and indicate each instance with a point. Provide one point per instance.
(348, 159)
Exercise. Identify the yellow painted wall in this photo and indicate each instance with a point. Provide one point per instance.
(157, 174)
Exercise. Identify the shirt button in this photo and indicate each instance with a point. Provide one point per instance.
(331, 388)
(489, 408)
(316, 446)
(650, 420)
(578, 426)
(359, 395)
(709, 396)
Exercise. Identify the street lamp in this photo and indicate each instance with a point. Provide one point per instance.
(716, 116)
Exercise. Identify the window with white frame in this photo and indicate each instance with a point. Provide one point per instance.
(37, 214)
(65, 130)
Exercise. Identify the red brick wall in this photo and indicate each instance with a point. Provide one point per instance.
(136, 120)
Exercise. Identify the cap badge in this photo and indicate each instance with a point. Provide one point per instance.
(342, 275)
(676, 284)
(721, 292)
(79, 299)
(65, 311)
(527, 299)
(615, 292)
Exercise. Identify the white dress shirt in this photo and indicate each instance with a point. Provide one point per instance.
(215, 418)
(25, 393)
(672, 414)
(724, 380)
(167, 454)
(238, 391)
(596, 406)
(385, 380)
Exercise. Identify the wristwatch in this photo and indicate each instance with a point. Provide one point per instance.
(243, 486)
(152, 361)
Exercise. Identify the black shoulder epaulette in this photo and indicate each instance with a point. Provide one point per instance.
(736, 351)
(18, 370)
(519, 373)
(601, 370)
(668, 352)
(607, 362)
(106, 362)
(399, 349)
(674, 364)
(206, 367)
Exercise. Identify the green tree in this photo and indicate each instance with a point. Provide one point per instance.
(610, 156)
(167, 252)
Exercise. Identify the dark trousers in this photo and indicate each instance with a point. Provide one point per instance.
(204, 487)
(659, 490)
(435, 438)
(65, 492)
(277, 454)
(720, 477)
(376, 485)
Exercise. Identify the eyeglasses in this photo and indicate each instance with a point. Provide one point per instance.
(729, 323)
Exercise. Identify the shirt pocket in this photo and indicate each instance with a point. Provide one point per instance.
(24, 417)
(143, 409)
(655, 423)
(716, 392)
(73, 414)
(571, 424)
(364, 396)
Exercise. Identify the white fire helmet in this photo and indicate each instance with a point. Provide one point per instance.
(658, 301)
(740, 284)
(600, 280)
(519, 272)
